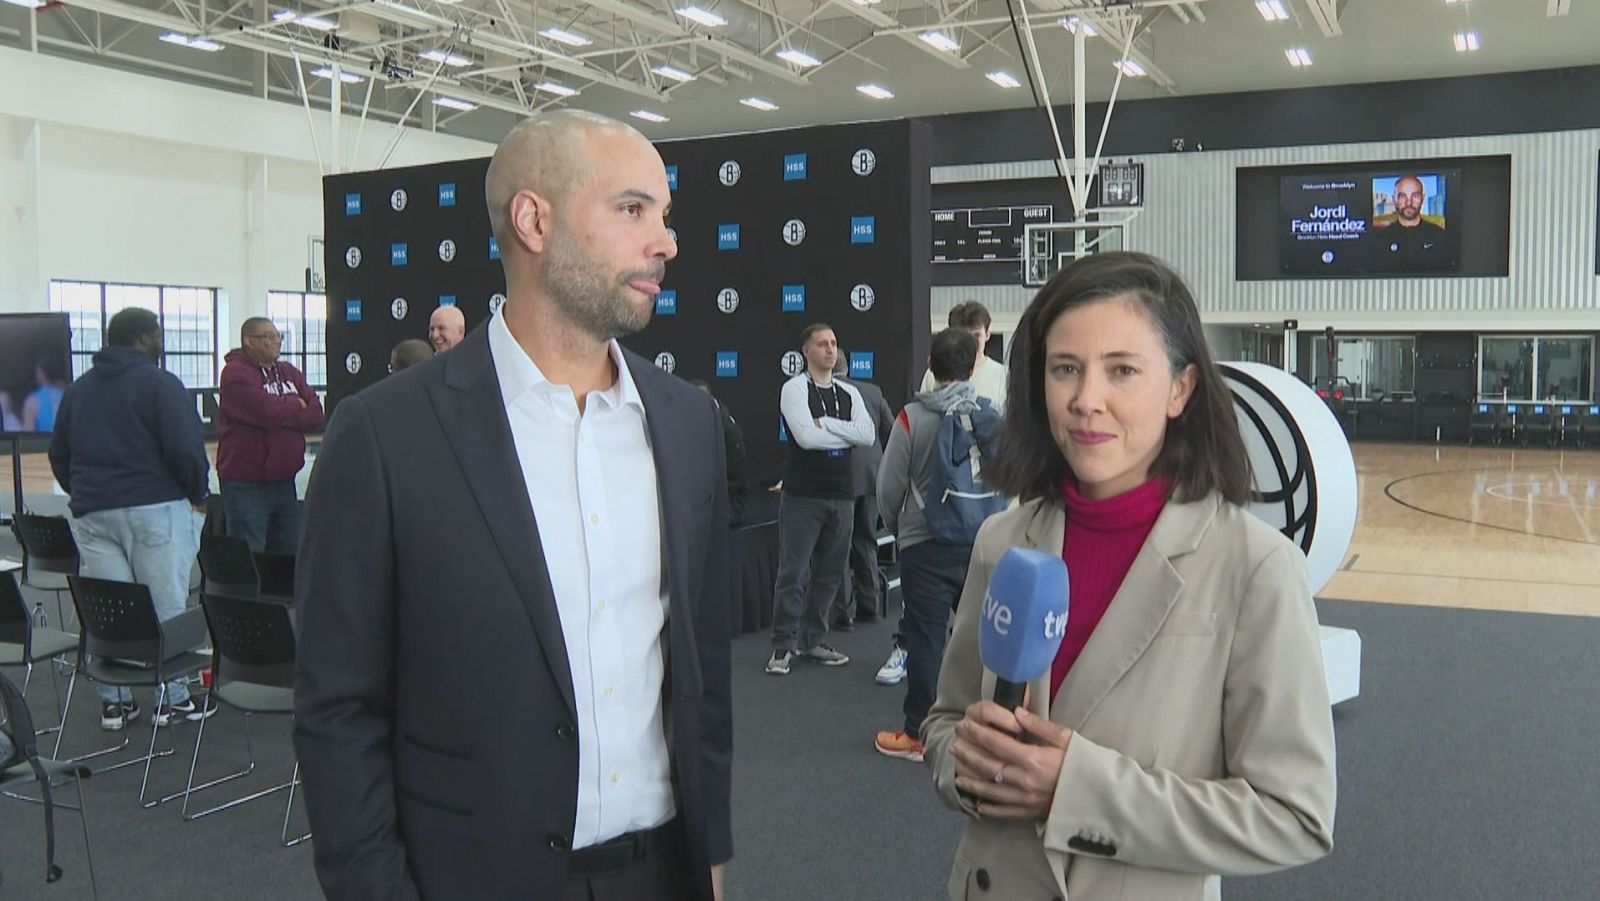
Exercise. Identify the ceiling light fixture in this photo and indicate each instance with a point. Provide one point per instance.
(1131, 68)
(1003, 79)
(1298, 57)
(282, 15)
(346, 77)
(193, 43)
(316, 23)
(1466, 41)
(449, 59)
(875, 91)
(673, 73)
(766, 106)
(1272, 10)
(703, 17)
(938, 40)
(1073, 23)
(648, 116)
(550, 87)
(798, 57)
(453, 103)
(563, 36)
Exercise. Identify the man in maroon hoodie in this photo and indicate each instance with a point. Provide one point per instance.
(266, 407)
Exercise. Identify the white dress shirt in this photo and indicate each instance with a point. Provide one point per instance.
(989, 379)
(592, 482)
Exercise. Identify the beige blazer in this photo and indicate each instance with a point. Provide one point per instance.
(1203, 740)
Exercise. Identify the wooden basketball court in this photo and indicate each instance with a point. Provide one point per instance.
(1477, 527)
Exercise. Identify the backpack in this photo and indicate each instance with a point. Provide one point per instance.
(958, 501)
(19, 745)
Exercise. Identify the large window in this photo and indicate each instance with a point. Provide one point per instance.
(1535, 367)
(302, 320)
(188, 319)
(1367, 368)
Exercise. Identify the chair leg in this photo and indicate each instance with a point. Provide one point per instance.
(88, 848)
(284, 834)
(191, 788)
(151, 755)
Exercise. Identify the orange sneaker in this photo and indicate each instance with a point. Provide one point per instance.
(899, 744)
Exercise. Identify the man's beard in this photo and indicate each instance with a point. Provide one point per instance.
(579, 286)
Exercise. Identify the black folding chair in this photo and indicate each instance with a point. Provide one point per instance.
(124, 643)
(47, 547)
(252, 671)
(227, 566)
(26, 767)
(276, 572)
(22, 643)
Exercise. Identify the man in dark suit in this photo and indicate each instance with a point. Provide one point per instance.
(859, 597)
(549, 716)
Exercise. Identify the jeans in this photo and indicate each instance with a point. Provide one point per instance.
(809, 528)
(265, 514)
(154, 545)
(931, 578)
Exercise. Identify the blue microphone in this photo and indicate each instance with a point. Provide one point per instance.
(1023, 620)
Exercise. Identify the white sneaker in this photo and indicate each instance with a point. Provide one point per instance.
(825, 655)
(778, 663)
(894, 671)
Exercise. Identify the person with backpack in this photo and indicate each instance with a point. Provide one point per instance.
(933, 498)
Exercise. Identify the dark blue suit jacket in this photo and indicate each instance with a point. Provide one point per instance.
(434, 714)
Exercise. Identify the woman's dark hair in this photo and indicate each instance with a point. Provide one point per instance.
(129, 325)
(953, 354)
(1201, 452)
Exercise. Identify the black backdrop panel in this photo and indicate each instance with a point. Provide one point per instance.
(861, 193)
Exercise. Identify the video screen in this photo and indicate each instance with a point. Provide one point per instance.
(35, 369)
(1369, 222)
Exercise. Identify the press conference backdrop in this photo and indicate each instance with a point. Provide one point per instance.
(775, 230)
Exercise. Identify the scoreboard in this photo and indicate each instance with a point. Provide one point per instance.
(984, 234)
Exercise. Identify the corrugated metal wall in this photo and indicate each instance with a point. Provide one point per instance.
(1190, 221)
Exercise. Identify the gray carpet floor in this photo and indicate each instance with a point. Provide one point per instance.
(1466, 772)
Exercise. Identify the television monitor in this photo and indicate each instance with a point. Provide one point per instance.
(35, 369)
(1370, 221)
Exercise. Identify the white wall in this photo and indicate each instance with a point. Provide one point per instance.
(117, 177)
(1189, 220)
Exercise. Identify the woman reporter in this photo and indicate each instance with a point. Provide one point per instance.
(1184, 731)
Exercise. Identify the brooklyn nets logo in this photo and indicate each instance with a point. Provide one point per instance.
(792, 363)
(727, 300)
(863, 161)
(728, 173)
(398, 199)
(1305, 477)
(352, 257)
(794, 231)
(496, 301)
(352, 363)
(666, 362)
(399, 308)
(862, 297)
(447, 250)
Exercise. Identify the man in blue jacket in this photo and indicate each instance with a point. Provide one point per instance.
(127, 449)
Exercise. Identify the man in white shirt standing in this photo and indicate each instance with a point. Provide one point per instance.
(825, 418)
(989, 378)
(581, 494)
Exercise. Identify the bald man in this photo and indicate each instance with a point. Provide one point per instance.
(446, 327)
(1406, 237)
(549, 716)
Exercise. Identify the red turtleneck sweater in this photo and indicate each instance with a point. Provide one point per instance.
(1103, 537)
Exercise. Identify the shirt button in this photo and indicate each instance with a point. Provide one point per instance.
(594, 519)
(615, 778)
(601, 606)
(609, 691)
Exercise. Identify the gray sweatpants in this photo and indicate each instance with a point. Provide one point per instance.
(802, 594)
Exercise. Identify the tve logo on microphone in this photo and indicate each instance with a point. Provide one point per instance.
(727, 364)
(863, 229)
(794, 167)
(667, 302)
(728, 236)
(1023, 618)
(794, 298)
